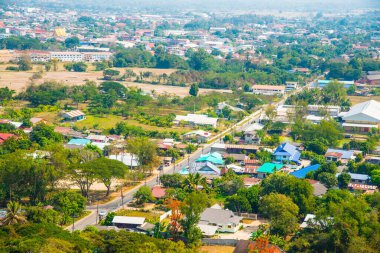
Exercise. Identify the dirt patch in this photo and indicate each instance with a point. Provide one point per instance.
(217, 249)
(18, 81)
(359, 99)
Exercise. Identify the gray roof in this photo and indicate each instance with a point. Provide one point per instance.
(219, 216)
(356, 176)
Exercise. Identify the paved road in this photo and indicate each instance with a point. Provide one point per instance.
(118, 202)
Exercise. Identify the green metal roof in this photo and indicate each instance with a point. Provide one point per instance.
(270, 167)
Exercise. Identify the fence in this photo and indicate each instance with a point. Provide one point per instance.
(251, 216)
(224, 242)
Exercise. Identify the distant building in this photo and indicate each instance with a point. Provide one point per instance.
(128, 222)
(75, 115)
(290, 86)
(357, 178)
(196, 120)
(5, 136)
(250, 134)
(268, 89)
(301, 173)
(268, 168)
(200, 135)
(335, 155)
(362, 117)
(79, 142)
(323, 83)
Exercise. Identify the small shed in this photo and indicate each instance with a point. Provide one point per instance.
(75, 115)
(128, 221)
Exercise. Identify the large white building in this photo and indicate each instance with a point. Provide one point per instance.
(196, 120)
(362, 117)
(268, 89)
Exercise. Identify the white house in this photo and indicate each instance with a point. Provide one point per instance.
(224, 220)
(200, 135)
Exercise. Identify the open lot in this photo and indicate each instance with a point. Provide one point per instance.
(20, 80)
(217, 249)
(359, 99)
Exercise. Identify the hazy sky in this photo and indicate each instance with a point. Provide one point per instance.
(224, 4)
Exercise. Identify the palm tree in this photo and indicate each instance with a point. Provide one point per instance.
(193, 180)
(13, 214)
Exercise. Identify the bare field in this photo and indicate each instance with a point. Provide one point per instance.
(359, 99)
(18, 81)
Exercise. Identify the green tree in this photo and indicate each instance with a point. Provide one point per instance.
(194, 89)
(282, 213)
(145, 150)
(6, 95)
(328, 179)
(110, 73)
(143, 195)
(172, 180)
(25, 64)
(68, 203)
(238, 203)
(72, 42)
(194, 204)
(13, 215)
(44, 135)
(343, 180)
(108, 170)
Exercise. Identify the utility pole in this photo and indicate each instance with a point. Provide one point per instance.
(97, 211)
(122, 197)
(73, 222)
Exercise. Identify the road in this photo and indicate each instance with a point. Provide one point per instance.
(118, 202)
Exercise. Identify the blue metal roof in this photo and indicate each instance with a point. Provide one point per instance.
(288, 149)
(301, 173)
(79, 142)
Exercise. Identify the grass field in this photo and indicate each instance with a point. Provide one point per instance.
(150, 216)
(359, 99)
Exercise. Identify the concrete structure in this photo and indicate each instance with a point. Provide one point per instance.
(268, 89)
(362, 117)
(196, 120)
(290, 86)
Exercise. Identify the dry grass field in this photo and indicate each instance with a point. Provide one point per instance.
(217, 249)
(359, 99)
(19, 80)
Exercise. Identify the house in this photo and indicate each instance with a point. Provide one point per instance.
(301, 173)
(36, 121)
(250, 133)
(362, 117)
(335, 155)
(268, 168)
(196, 120)
(128, 221)
(268, 90)
(373, 159)
(75, 115)
(126, 158)
(290, 86)
(13, 123)
(238, 149)
(236, 157)
(247, 246)
(200, 135)
(251, 181)
(357, 178)
(287, 152)
(222, 105)
(319, 189)
(224, 220)
(79, 142)
(214, 158)
(205, 168)
(97, 138)
(6, 136)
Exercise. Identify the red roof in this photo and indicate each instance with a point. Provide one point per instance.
(5, 136)
(334, 154)
(158, 192)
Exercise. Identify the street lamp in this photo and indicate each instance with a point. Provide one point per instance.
(73, 216)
